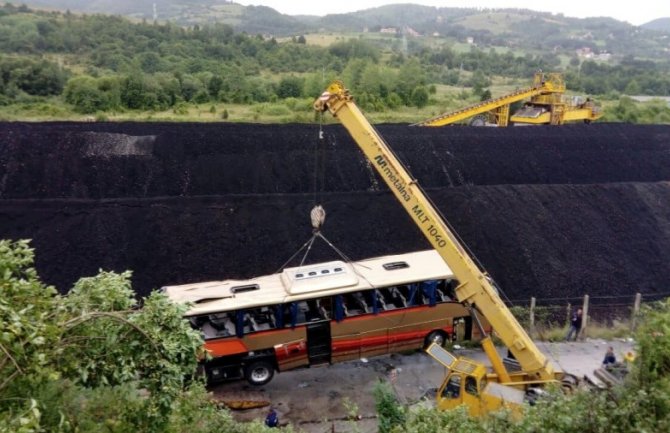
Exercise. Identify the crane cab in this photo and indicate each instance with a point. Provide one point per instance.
(467, 383)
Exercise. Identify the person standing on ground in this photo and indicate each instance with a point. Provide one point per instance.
(575, 325)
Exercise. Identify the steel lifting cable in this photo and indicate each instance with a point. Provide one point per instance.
(318, 213)
(319, 163)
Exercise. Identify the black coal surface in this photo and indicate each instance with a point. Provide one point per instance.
(549, 211)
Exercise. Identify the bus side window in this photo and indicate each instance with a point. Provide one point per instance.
(414, 294)
(360, 302)
(450, 289)
(222, 323)
(249, 323)
(381, 300)
(313, 311)
(441, 291)
(372, 300)
(428, 291)
(301, 312)
(280, 313)
(397, 298)
(386, 299)
(325, 307)
(351, 305)
(263, 318)
(340, 309)
(198, 321)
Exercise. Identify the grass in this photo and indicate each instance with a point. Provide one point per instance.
(495, 22)
(594, 330)
(446, 98)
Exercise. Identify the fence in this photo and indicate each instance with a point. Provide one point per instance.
(617, 313)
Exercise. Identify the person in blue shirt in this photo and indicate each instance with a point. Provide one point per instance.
(575, 325)
(272, 419)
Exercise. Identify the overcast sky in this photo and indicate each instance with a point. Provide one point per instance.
(636, 12)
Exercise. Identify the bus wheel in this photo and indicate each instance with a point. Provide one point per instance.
(259, 372)
(435, 337)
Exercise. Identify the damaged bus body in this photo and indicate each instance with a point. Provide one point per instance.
(324, 313)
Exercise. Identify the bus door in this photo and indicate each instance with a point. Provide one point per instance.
(318, 342)
(463, 328)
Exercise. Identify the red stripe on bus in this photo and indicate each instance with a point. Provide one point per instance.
(226, 346)
(348, 344)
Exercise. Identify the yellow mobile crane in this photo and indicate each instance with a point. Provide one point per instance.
(548, 105)
(467, 382)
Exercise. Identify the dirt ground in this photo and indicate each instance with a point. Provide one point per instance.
(320, 400)
(550, 212)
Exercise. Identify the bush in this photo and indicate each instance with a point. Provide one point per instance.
(180, 108)
(419, 97)
(390, 413)
(86, 96)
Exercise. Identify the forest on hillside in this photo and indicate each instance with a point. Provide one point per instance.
(100, 63)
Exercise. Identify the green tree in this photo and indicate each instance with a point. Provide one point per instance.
(190, 87)
(150, 62)
(214, 86)
(290, 87)
(40, 78)
(410, 76)
(92, 346)
(133, 89)
(633, 88)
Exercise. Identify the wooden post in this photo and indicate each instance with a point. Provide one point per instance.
(532, 317)
(585, 317)
(636, 311)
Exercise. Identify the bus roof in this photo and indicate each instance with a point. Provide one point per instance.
(310, 281)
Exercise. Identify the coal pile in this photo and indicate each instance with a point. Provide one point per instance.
(549, 211)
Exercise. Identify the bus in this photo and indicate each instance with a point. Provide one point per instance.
(324, 313)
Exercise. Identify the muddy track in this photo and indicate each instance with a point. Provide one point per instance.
(549, 211)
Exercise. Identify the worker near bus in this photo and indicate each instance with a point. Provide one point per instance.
(610, 358)
(272, 419)
(575, 325)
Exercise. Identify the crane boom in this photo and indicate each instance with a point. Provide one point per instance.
(475, 287)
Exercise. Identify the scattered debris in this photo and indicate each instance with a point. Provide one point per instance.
(244, 404)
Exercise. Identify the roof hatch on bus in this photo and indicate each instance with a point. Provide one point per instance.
(324, 276)
(392, 266)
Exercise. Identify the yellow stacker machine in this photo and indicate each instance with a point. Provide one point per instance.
(548, 105)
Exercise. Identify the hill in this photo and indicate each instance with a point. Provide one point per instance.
(251, 19)
(660, 24)
(516, 29)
